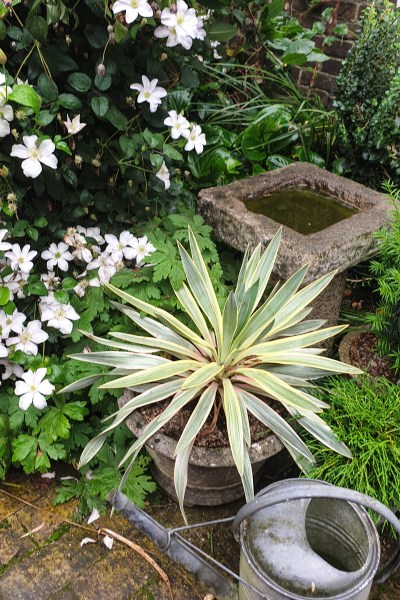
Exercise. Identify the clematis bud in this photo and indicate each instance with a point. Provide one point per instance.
(110, 29)
(3, 57)
(101, 70)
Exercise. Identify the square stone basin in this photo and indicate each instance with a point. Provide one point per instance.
(336, 247)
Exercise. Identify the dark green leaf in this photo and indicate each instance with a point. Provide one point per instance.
(100, 105)
(69, 101)
(4, 295)
(103, 82)
(62, 296)
(222, 32)
(37, 288)
(80, 82)
(37, 27)
(116, 118)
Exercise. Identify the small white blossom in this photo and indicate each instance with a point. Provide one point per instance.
(106, 267)
(91, 232)
(142, 248)
(180, 126)
(74, 126)
(11, 369)
(57, 255)
(50, 280)
(6, 116)
(132, 8)
(33, 388)
(57, 315)
(21, 258)
(196, 139)
(163, 174)
(35, 154)
(30, 336)
(16, 283)
(149, 92)
(14, 322)
(3, 351)
(180, 26)
(120, 248)
(4, 245)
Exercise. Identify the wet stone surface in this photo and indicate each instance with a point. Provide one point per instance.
(49, 564)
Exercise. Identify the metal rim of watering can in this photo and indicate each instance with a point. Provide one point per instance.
(300, 489)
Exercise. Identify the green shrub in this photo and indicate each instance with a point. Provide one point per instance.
(368, 101)
(365, 414)
(385, 268)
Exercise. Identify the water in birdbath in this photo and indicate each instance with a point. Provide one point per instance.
(303, 210)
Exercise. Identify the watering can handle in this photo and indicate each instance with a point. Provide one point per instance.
(303, 488)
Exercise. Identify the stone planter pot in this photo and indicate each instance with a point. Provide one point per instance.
(335, 247)
(346, 342)
(212, 475)
(371, 362)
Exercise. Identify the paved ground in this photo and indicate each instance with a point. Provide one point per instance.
(41, 557)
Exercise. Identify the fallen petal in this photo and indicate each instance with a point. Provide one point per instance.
(94, 515)
(108, 541)
(48, 475)
(87, 541)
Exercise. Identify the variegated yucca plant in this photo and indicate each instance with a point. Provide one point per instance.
(237, 358)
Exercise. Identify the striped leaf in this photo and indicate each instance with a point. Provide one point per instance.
(181, 476)
(233, 416)
(203, 375)
(198, 417)
(158, 373)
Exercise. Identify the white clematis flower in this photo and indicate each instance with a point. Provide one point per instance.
(163, 174)
(5, 90)
(6, 116)
(196, 139)
(132, 8)
(142, 248)
(11, 369)
(57, 315)
(180, 25)
(57, 254)
(35, 154)
(74, 126)
(4, 245)
(21, 258)
(149, 92)
(30, 336)
(33, 388)
(14, 322)
(180, 126)
(120, 248)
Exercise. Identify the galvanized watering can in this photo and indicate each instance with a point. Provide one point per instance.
(300, 538)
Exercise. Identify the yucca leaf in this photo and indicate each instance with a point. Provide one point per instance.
(129, 348)
(265, 265)
(171, 347)
(233, 415)
(181, 476)
(156, 329)
(301, 299)
(191, 307)
(247, 477)
(202, 289)
(274, 332)
(274, 422)
(198, 417)
(125, 360)
(300, 372)
(92, 448)
(158, 373)
(174, 323)
(303, 327)
(322, 432)
(276, 389)
(177, 403)
(229, 325)
(310, 359)
(82, 383)
(203, 375)
(289, 343)
(247, 305)
(155, 393)
(267, 312)
(241, 280)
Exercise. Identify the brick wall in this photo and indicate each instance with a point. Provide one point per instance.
(322, 79)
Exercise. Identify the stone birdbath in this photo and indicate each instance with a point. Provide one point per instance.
(324, 244)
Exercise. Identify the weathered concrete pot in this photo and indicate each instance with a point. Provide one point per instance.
(338, 246)
(212, 475)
